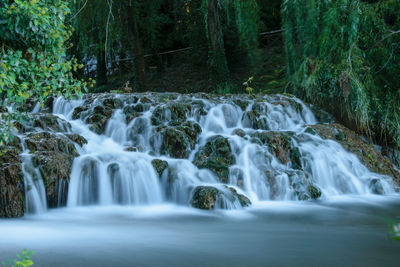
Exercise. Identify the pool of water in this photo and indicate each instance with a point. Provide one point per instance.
(343, 231)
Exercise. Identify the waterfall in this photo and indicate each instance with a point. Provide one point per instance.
(116, 167)
(35, 192)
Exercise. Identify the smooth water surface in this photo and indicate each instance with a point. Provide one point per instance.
(344, 231)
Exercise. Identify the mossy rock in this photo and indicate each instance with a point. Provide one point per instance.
(295, 158)
(45, 141)
(314, 192)
(175, 143)
(130, 113)
(239, 132)
(113, 103)
(171, 112)
(207, 197)
(98, 119)
(250, 119)
(50, 122)
(279, 144)
(192, 131)
(55, 168)
(12, 190)
(216, 155)
(80, 140)
(159, 165)
(321, 115)
(241, 103)
(78, 111)
(376, 187)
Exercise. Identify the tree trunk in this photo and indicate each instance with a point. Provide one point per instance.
(101, 68)
(218, 64)
(136, 47)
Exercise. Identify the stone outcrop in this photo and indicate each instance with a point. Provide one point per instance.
(216, 155)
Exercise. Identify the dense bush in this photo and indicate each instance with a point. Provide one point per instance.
(33, 61)
(345, 56)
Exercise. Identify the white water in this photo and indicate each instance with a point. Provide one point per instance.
(106, 174)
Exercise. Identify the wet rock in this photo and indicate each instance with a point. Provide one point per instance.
(216, 155)
(209, 197)
(314, 191)
(145, 100)
(244, 201)
(113, 103)
(376, 187)
(192, 131)
(80, 140)
(175, 143)
(53, 155)
(78, 111)
(50, 122)
(250, 119)
(45, 141)
(255, 141)
(258, 107)
(241, 103)
(55, 168)
(239, 132)
(159, 165)
(158, 117)
(12, 190)
(172, 112)
(392, 154)
(279, 145)
(310, 130)
(321, 115)
(131, 149)
(303, 186)
(130, 113)
(98, 119)
(295, 158)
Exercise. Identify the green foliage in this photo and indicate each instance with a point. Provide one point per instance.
(219, 71)
(23, 260)
(394, 230)
(247, 20)
(345, 56)
(33, 60)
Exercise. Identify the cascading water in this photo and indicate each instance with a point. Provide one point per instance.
(35, 192)
(271, 154)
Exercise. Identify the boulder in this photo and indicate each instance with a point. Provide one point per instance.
(50, 122)
(239, 132)
(216, 155)
(113, 103)
(303, 186)
(55, 169)
(175, 143)
(78, 111)
(192, 131)
(208, 197)
(98, 119)
(12, 189)
(159, 165)
(53, 155)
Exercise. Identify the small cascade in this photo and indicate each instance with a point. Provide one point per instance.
(35, 192)
(114, 178)
(224, 152)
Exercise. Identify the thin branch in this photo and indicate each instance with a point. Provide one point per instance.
(77, 13)
(272, 32)
(110, 3)
(384, 38)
